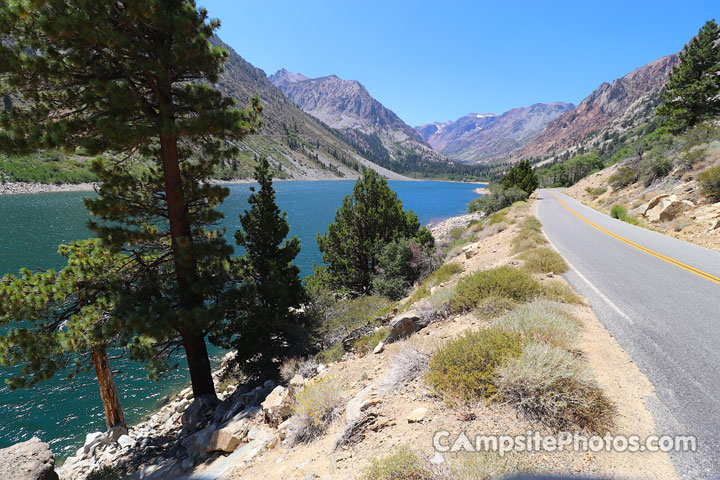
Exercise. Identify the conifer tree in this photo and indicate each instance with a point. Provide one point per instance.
(62, 322)
(265, 326)
(692, 93)
(369, 218)
(521, 176)
(130, 79)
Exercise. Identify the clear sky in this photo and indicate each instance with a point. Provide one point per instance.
(439, 60)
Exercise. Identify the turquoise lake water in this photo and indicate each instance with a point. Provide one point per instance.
(61, 412)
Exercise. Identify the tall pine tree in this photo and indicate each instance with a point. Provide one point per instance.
(692, 93)
(130, 79)
(265, 327)
(369, 218)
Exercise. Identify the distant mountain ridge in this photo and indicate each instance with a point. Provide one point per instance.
(298, 145)
(363, 121)
(477, 138)
(612, 108)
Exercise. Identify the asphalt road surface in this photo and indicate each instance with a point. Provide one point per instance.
(660, 298)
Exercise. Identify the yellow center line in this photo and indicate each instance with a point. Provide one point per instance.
(665, 258)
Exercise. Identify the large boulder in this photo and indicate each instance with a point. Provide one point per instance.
(405, 325)
(278, 405)
(665, 207)
(31, 460)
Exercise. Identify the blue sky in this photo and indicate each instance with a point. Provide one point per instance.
(438, 60)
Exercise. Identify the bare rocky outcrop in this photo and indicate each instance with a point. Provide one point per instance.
(665, 208)
(30, 460)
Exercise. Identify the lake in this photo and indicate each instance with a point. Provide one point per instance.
(61, 412)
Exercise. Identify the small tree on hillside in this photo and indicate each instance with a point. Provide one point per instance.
(369, 218)
(692, 93)
(131, 78)
(264, 326)
(62, 322)
(521, 176)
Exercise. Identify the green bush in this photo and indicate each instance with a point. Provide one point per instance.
(543, 260)
(366, 344)
(498, 198)
(334, 318)
(557, 291)
(709, 181)
(504, 282)
(332, 354)
(540, 321)
(464, 368)
(442, 274)
(494, 306)
(402, 464)
(620, 212)
(549, 385)
(400, 263)
(596, 192)
(623, 177)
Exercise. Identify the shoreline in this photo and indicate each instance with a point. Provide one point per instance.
(30, 188)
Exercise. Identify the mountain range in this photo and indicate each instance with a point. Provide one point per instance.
(612, 108)
(346, 106)
(488, 136)
(299, 146)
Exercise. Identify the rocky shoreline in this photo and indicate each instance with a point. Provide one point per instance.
(23, 188)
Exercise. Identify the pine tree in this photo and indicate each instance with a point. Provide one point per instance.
(62, 322)
(129, 79)
(265, 327)
(521, 176)
(692, 93)
(368, 219)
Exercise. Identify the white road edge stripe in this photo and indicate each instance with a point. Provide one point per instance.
(592, 287)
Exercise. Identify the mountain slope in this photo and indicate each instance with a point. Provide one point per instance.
(373, 129)
(487, 137)
(611, 108)
(297, 143)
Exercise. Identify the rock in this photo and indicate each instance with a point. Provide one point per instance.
(30, 460)
(353, 409)
(665, 208)
(113, 434)
(437, 459)
(379, 348)
(405, 325)
(126, 441)
(199, 413)
(417, 415)
(224, 440)
(198, 443)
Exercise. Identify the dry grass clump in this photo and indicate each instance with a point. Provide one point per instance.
(529, 236)
(317, 404)
(540, 321)
(549, 385)
(505, 282)
(406, 365)
(543, 260)
(494, 306)
(558, 291)
(402, 464)
(366, 344)
(306, 367)
(464, 368)
(487, 466)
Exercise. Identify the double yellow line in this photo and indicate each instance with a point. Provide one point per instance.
(665, 258)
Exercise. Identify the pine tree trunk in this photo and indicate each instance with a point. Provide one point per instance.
(109, 394)
(185, 268)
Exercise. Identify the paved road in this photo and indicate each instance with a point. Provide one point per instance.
(665, 316)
